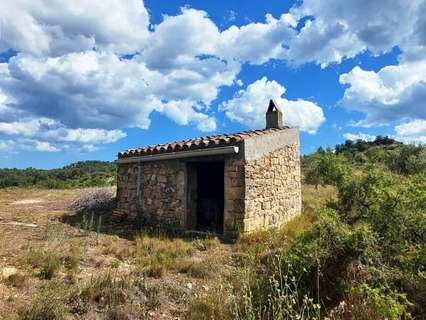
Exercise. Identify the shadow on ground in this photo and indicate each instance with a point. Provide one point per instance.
(103, 222)
(129, 228)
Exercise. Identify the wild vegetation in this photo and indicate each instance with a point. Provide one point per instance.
(358, 251)
(77, 175)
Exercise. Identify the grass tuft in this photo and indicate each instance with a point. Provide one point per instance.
(17, 280)
(48, 304)
(158, 254)
(47, 261)
(106, 290)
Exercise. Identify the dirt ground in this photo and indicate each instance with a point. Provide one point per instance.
(101, 268)
(40, 220)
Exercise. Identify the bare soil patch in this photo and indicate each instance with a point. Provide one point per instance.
(90, 264)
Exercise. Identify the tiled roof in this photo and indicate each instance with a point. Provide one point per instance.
(196, 143)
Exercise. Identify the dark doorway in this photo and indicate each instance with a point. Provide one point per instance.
(207, 195)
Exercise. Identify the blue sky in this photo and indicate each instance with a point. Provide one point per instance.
(86, 79)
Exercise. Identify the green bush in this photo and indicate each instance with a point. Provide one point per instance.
(364, 255)
(377, 303)
(326, 168)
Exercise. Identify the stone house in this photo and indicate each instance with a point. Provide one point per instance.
(224, 184)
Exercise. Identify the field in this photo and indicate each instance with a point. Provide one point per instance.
(57, 263)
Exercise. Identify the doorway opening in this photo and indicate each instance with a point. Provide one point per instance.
(206, 193)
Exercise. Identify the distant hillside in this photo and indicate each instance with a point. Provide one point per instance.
(76, 175)
(383, 151)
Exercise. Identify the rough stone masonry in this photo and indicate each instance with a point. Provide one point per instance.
(261, 180)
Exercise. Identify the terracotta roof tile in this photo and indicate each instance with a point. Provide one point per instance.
(196, 143)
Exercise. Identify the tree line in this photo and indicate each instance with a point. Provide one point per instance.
(76, 175)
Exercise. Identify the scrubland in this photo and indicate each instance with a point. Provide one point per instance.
(357, 252)
(56, 263)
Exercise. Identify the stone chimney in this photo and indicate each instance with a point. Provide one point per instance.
(274, 117)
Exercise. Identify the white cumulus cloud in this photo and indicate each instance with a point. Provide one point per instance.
(93, 68)
(389, 95)
(412, 132)
(45, 146)
(359, 136)
(249, 106)
(56, 27)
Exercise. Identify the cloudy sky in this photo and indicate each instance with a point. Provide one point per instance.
(84, 79)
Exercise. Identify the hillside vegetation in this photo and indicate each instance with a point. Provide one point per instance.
(76, 175)
(362, 255)
(358, 251)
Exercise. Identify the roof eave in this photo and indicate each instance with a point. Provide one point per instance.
(181, 154)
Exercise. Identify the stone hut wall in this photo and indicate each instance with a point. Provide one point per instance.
(162, 191)
(127, 189)
(234, 195)
(272, 189)
(272, 181)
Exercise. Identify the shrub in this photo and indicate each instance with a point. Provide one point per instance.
(326, 168)
(286, 281)
(364, 302)
(407, 159)
(99, 200)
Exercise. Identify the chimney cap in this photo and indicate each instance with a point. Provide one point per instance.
(272, 106)
(274, 116)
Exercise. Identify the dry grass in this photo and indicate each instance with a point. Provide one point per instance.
(46, 262)
(109, 274)
(209, 305)
(314, 197)
(261, 242)
(156, 255)
(107, 290)
(57, 250)
(17, 280)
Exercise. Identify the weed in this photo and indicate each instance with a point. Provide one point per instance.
(48, 262)
(254, 242)
(151, 294)
(112, 247)
(211, 305)
(158, 254)
(88, 222)
(48, 304)
(206, 244)
(202, 269)
(116, 314)
(277, 296)
(72, 259)
(106, 290)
